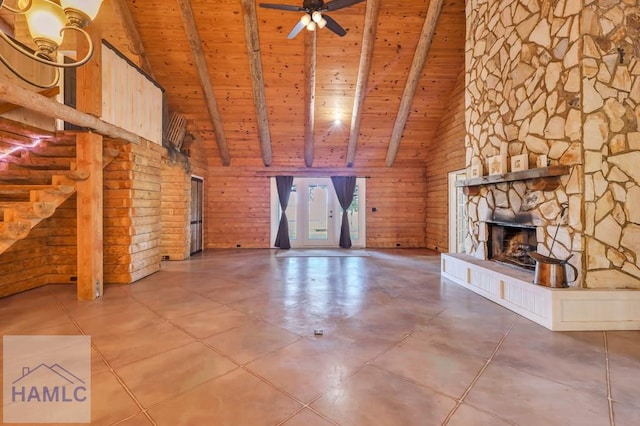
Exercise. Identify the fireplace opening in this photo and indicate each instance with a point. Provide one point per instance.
(511, 243)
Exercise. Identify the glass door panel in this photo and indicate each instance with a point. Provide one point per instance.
(196, 222)
(318, 208)
(292, 213)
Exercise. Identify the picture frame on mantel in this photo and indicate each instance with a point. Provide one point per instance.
(542, 161)
(496, 165)
(475, 171)
(519, 162)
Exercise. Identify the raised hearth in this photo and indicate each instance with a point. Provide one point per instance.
(561, 309)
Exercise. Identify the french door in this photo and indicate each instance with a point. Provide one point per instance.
(315, 216)
(457, 215)
(196, 224)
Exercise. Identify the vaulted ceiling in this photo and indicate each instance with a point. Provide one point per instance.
(253, 97)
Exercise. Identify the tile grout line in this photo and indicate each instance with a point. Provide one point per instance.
(111, 369)
(612, 418)
(356, 371)
(482, 370)
(321, 394)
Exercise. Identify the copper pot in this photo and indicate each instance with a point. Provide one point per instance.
(550, 272)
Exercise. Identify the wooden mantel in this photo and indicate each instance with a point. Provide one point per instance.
(546, 178)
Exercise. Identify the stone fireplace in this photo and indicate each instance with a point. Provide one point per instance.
(557, 83)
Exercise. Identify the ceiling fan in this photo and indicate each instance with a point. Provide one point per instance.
(314, 14)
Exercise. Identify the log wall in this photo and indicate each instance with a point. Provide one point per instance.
(175, 209)
(132, 208)
(62, 243)
(25, 265)
(238, 205)
(447, 155)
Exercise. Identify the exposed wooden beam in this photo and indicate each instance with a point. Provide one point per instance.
(257, 78)
(123, 13)
(49, 107)
(419, 59)
(310, 43)
(189, 24)
(49, 93)
(368, 41)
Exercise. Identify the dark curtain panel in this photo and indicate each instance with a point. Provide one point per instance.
(344, 186)
(284, 184)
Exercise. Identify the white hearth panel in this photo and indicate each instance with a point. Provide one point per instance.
(559, 309)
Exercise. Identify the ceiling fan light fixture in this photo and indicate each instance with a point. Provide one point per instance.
(322, 23)
(306, 19)
(316, 16)
(311, 26)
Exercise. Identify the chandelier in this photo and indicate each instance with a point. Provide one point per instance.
(47, 21)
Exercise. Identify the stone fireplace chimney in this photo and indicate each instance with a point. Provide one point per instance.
(559, 81)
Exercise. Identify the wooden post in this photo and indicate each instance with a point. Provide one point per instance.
(89, 76)
(90, 217)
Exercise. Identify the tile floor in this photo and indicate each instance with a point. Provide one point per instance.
(227, 338)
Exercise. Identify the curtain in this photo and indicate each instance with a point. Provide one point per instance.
(284, 184)
(344, 186)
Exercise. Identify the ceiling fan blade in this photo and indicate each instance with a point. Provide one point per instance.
(334, 26)
(338, 4)
(281, 7)
(296, 30)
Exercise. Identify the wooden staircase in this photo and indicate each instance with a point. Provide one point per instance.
(35, 181)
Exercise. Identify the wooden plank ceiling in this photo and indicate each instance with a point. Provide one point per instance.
(260, 84)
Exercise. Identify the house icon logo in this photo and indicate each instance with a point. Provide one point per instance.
(46, 383)
(46, 379)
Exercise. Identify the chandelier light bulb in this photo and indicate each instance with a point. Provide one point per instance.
(45, 19)
(47, 22)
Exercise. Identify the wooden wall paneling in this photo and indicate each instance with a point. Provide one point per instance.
(446, 154)
(123, 14)
(131, 101)
(237, 211)
(90, 204)
(238, 205)
(109, 80)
